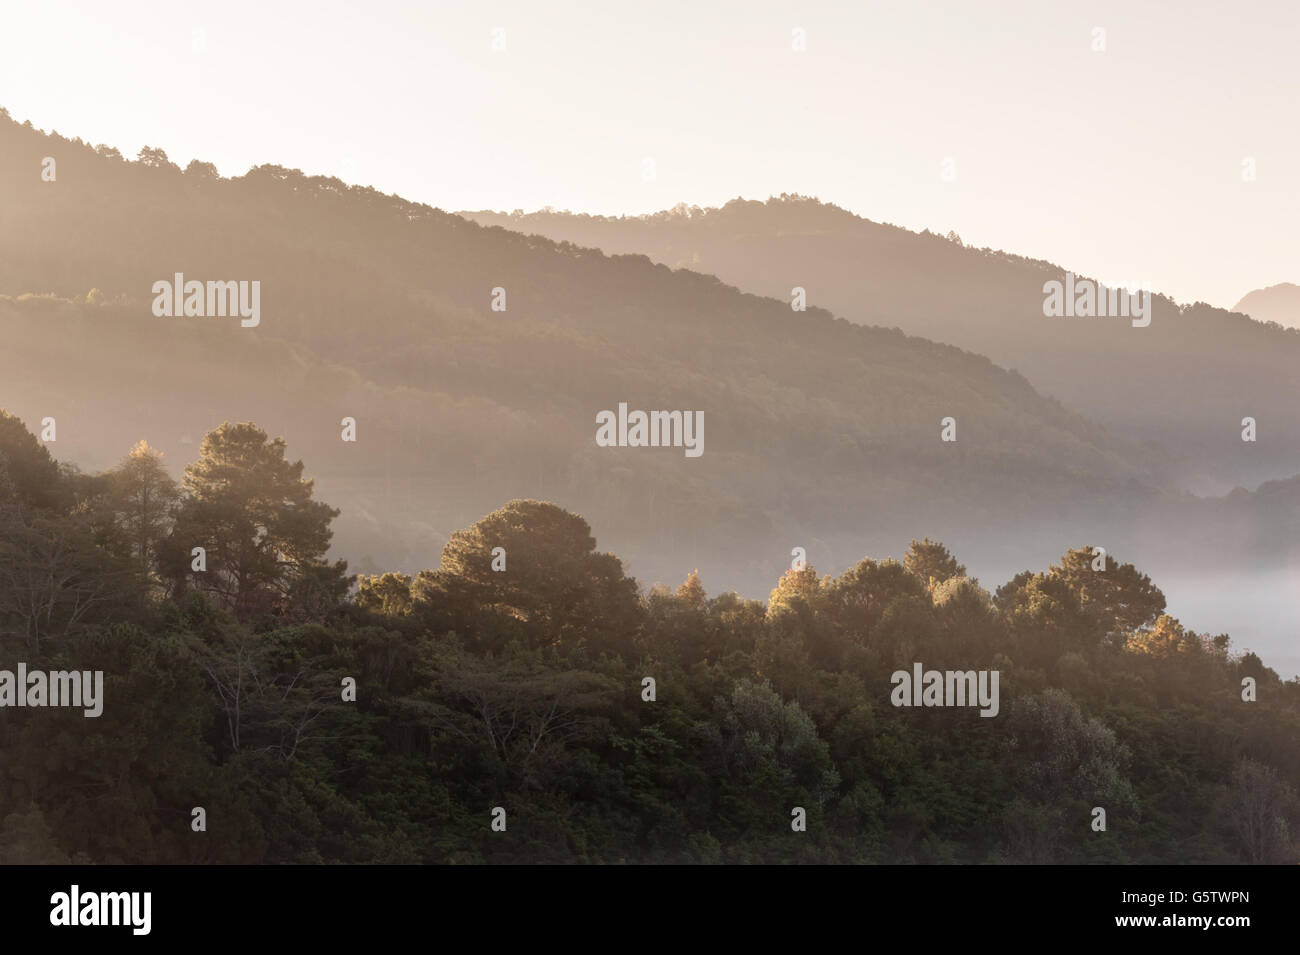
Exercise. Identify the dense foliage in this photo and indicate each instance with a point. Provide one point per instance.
(515, 679)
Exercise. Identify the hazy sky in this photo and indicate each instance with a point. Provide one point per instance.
(1126, 164)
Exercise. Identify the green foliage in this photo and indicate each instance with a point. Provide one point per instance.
(525, 688)
(27, 472)
(254, 513)
(1119, 594)
(556, 590)
(931, 561)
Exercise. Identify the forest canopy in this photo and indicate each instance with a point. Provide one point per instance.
(317, 717)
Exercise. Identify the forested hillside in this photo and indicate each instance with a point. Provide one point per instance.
(524, 679)
(1182, 384)
(819, 433)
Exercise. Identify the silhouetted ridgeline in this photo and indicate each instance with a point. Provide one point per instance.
(527, 681)
(1278, 304)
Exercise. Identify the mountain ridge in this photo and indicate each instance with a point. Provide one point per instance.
(1183, 383)
(1276, 304)
(822, 433)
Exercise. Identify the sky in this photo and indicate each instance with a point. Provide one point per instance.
(1000, 120)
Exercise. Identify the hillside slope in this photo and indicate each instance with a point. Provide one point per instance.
(819, 433)
(1184, 382)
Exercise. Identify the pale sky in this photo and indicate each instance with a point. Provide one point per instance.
(1124, 164)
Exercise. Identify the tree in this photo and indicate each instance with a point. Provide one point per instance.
(680, 622)
(932, 562)
(1046, 619)
(51, 573)
(156, 159)
(115, 787)
(1065, 763)
(275, 697)
(522, 713)
(142, 496)
(858, 601)
(1167, 638)
(1119, 595)
(1259, 803)
(555, 589)
(201, 170)
(35, 476)
(691, 592)
(253, 512)
(1006, 596)
(387, 594)
(969, 623)
(765, 755)
(796, 584)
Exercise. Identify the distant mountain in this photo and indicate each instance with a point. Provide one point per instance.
(1183, 383)
(819, 433)
(1277, 303)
